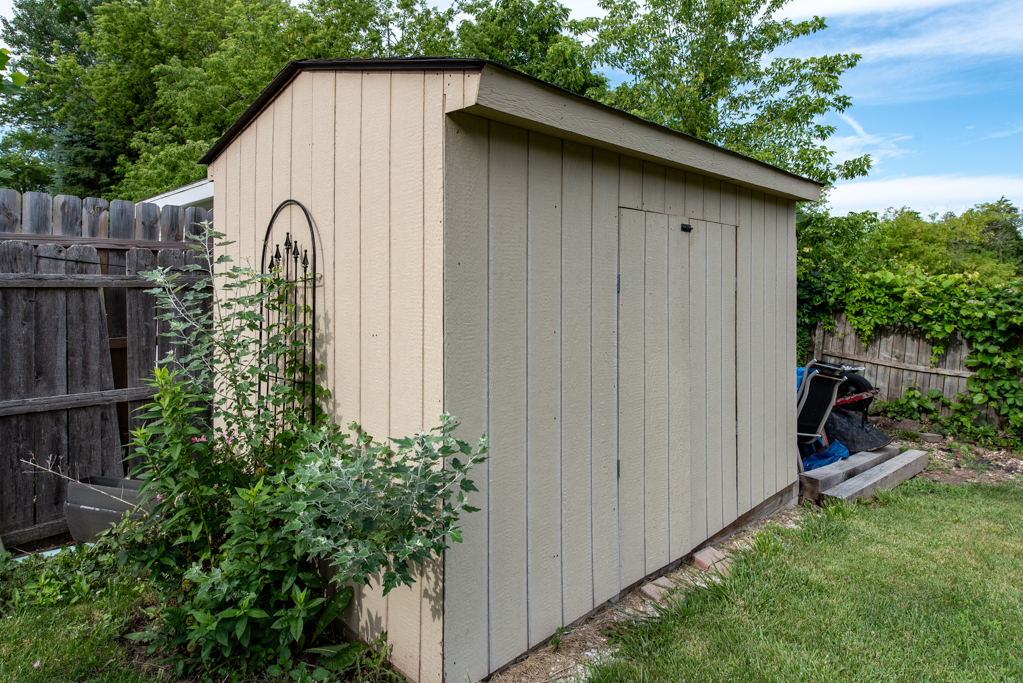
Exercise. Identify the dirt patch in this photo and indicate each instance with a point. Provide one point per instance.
(586, 643)
(956, 463)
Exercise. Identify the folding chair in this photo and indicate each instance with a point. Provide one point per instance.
(815, 400)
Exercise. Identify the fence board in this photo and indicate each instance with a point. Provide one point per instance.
(10, 210)
(140, 312)
(96, 448)
(95, 217)
(36, 213)
(17, 325)
(67, 215)
(49, 430)
(172, 223)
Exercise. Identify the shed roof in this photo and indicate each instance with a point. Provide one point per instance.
(505, 94)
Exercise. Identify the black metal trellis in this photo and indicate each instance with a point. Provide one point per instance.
(302, 307)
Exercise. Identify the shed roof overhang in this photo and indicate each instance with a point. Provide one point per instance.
(506, 95)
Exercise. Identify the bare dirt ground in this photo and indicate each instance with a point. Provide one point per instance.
(958, 463)
(587, 642)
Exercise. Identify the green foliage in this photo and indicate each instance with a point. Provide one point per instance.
(531, 37)
(705, 67)
(953, 274)
(243, 514)
(129, 93)
(24, 165)
(10, 83)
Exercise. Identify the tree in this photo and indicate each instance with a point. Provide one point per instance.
(536, 38)
(704, 67)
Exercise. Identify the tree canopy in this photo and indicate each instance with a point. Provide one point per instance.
(124, 96)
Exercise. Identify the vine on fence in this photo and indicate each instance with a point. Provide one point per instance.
(989, 317)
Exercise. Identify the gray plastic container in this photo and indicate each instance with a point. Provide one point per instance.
(96, 503)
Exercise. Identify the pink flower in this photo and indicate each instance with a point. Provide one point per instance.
(36, 665)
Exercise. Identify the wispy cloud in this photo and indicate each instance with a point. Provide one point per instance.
(1001, 134)
(926, 193)
(879, 146)
(803, 9)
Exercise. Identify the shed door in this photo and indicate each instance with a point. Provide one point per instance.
(676, 384)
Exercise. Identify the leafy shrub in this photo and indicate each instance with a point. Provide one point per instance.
(249, 489)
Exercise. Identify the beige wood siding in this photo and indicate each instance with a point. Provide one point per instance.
(678, 376)
(371, 175)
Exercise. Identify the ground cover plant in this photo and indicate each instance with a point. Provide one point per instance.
(923, 584)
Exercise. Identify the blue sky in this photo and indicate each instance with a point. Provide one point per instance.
(937, 98)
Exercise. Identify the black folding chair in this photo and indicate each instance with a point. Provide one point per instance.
(815, 400)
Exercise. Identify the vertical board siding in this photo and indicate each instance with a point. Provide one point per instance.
(699, 406)
(466, 373)
(655, 391)
(374, 308)
(716, 410)
(347, 257)
(680, 538)
(787, 360)
(762, 475)
(405, 344)
(631, 405)
(604, 359)
(509, 629)
(431, 663)
(729, 419)
(543, 385)
(576, 369)
(745, 338)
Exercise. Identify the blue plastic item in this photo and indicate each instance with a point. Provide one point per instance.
(833, 453)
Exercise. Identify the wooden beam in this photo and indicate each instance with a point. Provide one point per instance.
(885, 476)
(27, 281)
(44, 404)
(902, 366)
(98, 242)
(35, 533)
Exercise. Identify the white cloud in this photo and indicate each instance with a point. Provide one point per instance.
(879, 147)
(804, 9)
(1001, 134)
(926, 194)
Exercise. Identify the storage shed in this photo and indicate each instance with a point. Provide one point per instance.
(611, 301)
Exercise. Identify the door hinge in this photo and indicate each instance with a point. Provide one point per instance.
(619, 283)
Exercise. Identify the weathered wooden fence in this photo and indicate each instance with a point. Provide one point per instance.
(78, 339)
(895, 359)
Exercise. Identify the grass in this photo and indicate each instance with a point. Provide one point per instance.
(80, 642)
(924, 584)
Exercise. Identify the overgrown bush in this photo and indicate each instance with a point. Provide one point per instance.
(250, 490)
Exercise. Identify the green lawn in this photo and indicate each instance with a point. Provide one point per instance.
(925, 584)
(78, 643)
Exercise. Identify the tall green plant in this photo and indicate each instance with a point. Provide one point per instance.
(247, 493)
